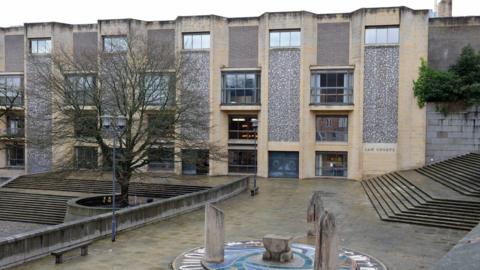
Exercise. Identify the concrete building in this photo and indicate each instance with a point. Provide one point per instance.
(332, 92)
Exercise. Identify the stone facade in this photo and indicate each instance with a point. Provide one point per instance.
(380, 94)
(243, 46)
(333, 44)
(14, 58)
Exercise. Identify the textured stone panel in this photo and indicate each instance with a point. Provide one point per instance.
(243, 46)
(455, 134)
(380, 104)
(333, 41)
(14, 53)
(85, 44)
(284, 95)
(445, 43)
(39, 119)
(163, 40)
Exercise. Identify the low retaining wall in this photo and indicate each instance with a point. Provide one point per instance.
(25, 247)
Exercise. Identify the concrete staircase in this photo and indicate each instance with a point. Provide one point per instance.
(461, 174)
(104, 187)
(32, 208)
(396, 199)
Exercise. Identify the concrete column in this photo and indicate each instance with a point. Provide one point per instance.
(214, 234)
(314, 212)
(326, 244)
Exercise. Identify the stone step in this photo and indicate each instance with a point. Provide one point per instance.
(469, 182)
(375, 200)
(429, 224)
(460, 170)
(458, 187)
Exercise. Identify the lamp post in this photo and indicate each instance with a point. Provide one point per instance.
(254, 190)
(113, 125)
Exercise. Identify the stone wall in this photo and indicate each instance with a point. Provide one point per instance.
(14, 53)
(333, 44)
(380, 97)
(85, 45)
(452, 135)
(243, 46)
(284, 95)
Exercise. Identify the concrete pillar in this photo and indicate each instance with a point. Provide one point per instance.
(214, 234)
(445, 8)
(314, 211)
(326, 244)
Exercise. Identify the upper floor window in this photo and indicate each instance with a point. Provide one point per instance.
(196, 41)
(240, 88)
(240, 127)
(80, 89)
(113, 44)
(332, 87)
(158, 90)
(284, 38)
(11, 90)
(40, 45)
(382, 35)
(332, 128)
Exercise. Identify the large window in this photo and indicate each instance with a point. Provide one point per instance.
(242, 161)
(196, 41)
(240, 88)
(161, 159)
(11, 92)
(332, 87)
(158, 90)
(284, 38)
(15, 126)
(381, 35)
(240, 127)
(16, 155)
(40, 46)
(112, 44)
(331, 164)
(86, 157)
(86, 125)
(332, 128)
(80, 89)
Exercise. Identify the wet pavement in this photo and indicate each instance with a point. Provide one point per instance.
(279, 208)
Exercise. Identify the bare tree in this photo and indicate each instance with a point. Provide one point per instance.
(152, 88)
(11, 97)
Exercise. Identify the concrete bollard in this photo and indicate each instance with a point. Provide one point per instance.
(214, 234)
(326, 244)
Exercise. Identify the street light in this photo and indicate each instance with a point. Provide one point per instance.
(113, 125)
(254, 190)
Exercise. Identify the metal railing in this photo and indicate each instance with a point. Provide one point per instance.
(331, 96)
(12, 132)
(240, 96)
(332, 136)
(242, 134)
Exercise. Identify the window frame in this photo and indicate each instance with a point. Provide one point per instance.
(319, 95)
(205, 43)
(388, 29)
(12, 96)
(234, 155)
(283, 32)
(48, 45)
(226, 92)
(15, 147)
(82, 92)
(113, 46)
(319, 171)
(339, 134)
(238, 133)
(166, 96)
(93, 162)
(161, 163)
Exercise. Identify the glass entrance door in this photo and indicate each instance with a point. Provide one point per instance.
(283, 164)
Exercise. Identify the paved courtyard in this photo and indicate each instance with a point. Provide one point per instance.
(279, 208)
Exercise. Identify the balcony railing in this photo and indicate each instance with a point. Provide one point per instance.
(242, 134)
(12, 133)
(11, 101)
(240, 96)
(331, 96)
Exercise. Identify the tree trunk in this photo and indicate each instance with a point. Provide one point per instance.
(124, 181)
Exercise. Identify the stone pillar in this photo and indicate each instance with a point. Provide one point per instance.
(326, 244)
(214, 234)
(445, 8)
(314, 211)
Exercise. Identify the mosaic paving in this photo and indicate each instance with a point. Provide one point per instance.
(247, 255)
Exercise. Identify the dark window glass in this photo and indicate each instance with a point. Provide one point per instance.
(161, 159)
(240, 88)
(11, 90)
(240, 128)
(86, 125)
(331, 164)
(86, 157)
(15, 126)
(332, 128)
(16, 155)
(331, 87)
(242, 161)
(80, 90)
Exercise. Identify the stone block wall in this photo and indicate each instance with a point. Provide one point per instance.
(452, 135)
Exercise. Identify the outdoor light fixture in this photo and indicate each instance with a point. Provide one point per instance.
(254, 190)
(238, 119)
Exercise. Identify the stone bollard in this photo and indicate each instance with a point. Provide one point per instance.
(277, 248)
(314, 211)
(214, 234)
(326, 244)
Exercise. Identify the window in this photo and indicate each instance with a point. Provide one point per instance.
(332, 128)
(86, 125)
(196, 41)
(161, 125)
(15, 126)
(331, 164)
(381, 35)
(334, 87)
(158, 90)
(240, 88)
(112, 44)
(80, 89)
(40, 46)
(86, 157)
(240, 128)
(242, 161)
(11, 90)
(161, 159)
(16, 155)
(288, 38)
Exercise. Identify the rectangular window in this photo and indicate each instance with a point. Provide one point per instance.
(11, 90)
(242, 161)
(240, 128)
(112, 44)
(284, 38)
(332, 128)
(158, 89)
(86, 157)
(161, 159)
(331, 164)
(240, 88)
(196, 41)
(332, 87)
(15, 126)
(40, 45)
(80, 89)
(382, 35)
(86, 125)
(16, 155)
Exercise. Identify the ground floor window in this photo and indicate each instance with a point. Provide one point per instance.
(242, 161)
(161, 159)
(86, 157)
(16, 155)
(331, 164)
(195, 162)
(283, 164)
